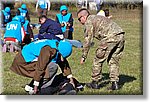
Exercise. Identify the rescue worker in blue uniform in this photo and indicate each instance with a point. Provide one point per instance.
(44, 6)
(23, 12)
(33, 61)
(66, 21)
(13, 35)
(29, 33)
(49, 29)
(6, 16)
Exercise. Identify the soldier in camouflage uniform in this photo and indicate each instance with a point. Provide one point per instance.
(111, 44)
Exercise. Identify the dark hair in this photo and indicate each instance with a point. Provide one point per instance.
(83, 9)
(106, 12)
(42, 16)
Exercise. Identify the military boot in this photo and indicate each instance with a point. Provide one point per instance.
(114, 86)
(93, 85)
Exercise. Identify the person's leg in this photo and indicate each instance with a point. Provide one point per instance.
(70, 35)
(98, 7)
(40, 11)
(113, 62)
(52, 70)
(16, 46)
(97, 66)
(45, 12)
(27, 39)
(4, 48)
(66, 34)
(11, 46)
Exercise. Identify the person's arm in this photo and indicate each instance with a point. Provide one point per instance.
(70, 21)
(87, 41)
(28, 17)
(30, 32)
(18, 12)
(43, 28)
(46, 54)
(37, 4)
(10, 19)
(49, 5)
(57, 19)
(3, 19)
(66, 70)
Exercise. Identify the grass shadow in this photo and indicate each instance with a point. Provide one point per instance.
(122, 80)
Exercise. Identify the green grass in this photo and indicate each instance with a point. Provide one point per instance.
(131, 76)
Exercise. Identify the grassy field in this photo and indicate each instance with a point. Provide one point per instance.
(131, 76)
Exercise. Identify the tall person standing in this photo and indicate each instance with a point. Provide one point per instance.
(44, 7)
(110, 38)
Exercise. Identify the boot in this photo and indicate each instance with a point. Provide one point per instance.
(114, 86)
(93, 85)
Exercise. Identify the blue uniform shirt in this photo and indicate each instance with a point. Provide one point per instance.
(43, 4)
(13, 30)
(64, 19)
(31, 51)
(6, 16)
(22, 12)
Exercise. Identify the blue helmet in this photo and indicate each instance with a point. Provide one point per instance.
(65, 48)
(63, 7)
(7, 9)
(23, 6)
(16, 18)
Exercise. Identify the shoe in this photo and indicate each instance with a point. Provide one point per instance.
(11, 48)
(114, 86)
(93, 85)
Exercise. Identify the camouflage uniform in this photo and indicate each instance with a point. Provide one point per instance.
(111, 44)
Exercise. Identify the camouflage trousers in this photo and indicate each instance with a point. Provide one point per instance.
(111, 50)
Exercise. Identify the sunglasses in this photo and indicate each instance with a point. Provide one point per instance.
(80, 18)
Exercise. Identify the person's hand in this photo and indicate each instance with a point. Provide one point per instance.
(35, 10)
(35, 89)
(72, 82)
(82, 61)
(32, 39)
(68, 24)
(62, 24)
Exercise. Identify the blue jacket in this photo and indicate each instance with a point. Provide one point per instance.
(49, 30)
(31, 51)
(22, 12)
(6, 16)
(43, 4)
(64, 19)
(13, 30)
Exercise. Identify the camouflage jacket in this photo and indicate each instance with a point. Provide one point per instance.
(98, 27)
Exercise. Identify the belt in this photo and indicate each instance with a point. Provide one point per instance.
(11, 39)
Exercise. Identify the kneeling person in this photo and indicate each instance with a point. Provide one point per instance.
(34, 60)
(13, 35)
